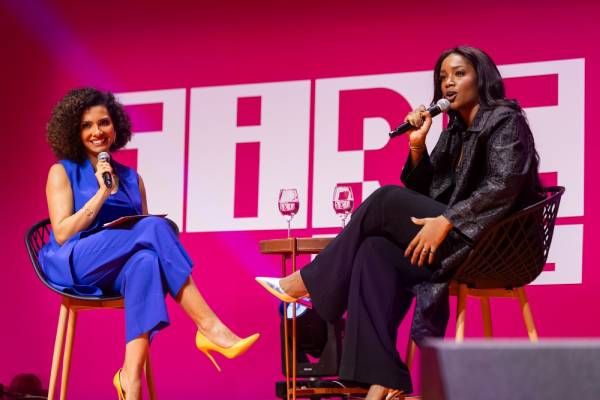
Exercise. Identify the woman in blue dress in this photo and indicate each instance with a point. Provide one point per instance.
(142, 259)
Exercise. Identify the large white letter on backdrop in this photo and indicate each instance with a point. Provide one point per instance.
(553, 126)
(161, 154)
(281, 132)
(332, 166)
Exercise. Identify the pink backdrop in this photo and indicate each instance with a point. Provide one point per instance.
(124, 47)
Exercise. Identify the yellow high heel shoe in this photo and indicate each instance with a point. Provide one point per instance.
(206, 346)
(117, 384)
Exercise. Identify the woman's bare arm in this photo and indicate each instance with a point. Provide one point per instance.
(66, 223)
(143, 195)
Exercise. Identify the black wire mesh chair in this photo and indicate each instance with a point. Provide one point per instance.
(35, 238)
(509, 255)
(513, 252)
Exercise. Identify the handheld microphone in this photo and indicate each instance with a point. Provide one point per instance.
(104, 156)
(441, 106)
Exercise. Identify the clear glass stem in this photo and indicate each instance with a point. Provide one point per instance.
(289, 222)
(343, 218)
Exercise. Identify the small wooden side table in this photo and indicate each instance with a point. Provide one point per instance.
(288, 249)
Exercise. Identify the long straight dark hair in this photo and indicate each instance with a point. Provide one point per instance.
(490, 87)
(489, 82)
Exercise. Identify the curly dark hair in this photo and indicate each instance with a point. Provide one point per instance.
(64, 128)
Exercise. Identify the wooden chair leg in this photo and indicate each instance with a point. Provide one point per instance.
(149, 378)
(486, 314)
(527, 316)
(410, 352)
(58, 347)
(72, 320)
(461, 306)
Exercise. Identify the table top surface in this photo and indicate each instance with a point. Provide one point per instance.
(286, 246)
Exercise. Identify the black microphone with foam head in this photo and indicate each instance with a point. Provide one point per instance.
(441, 106)
(106, 176)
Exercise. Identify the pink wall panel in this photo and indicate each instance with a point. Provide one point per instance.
(123, 47)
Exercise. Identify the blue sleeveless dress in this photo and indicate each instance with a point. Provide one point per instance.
(141, 260)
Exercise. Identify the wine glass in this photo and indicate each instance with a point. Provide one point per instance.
(288, 205)
(343, 202)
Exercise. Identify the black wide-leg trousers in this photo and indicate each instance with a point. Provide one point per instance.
(364, 271)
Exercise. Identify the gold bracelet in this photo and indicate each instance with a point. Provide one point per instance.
(415, 147)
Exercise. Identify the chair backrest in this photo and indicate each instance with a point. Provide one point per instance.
(513, 252)
(35, 238)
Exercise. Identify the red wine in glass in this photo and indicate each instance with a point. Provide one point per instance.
(343, 202)
(289, 204)
(289, 209)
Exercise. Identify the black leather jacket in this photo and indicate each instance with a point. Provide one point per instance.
(496, 175)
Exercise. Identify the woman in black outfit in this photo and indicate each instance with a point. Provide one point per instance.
(406, 241)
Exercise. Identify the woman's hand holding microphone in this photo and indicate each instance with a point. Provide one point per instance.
(422, 248)
(102, 167)
(421, 120)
